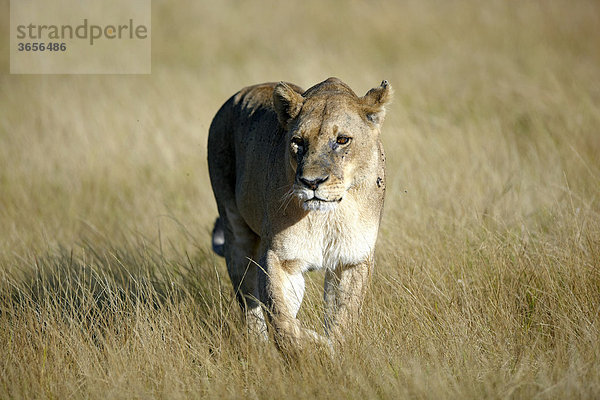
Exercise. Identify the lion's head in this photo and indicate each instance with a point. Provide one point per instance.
(332, 136)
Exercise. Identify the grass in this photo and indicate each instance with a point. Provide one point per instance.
(488, 261)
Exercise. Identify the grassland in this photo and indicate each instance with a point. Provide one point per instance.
(488, 260)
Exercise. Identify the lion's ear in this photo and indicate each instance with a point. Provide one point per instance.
(287, 103)
(375, 100)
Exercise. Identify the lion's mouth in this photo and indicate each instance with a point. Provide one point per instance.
(325, 200)
(318, 204)
(313, 200)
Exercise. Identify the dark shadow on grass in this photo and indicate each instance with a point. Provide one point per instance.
(100, 286)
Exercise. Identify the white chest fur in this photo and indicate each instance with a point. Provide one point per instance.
(328, 239)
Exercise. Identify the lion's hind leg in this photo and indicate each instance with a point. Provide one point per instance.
(241, 244)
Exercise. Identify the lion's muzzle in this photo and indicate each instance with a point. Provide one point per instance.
(314, 196)
(313, 184)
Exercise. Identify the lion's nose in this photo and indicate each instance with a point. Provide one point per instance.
(313, 184)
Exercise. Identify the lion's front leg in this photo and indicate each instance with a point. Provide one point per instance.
(344, 292)
(282, 291)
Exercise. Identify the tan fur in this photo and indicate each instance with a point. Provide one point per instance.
(293, 196)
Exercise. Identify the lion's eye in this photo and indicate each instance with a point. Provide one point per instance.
(297, 141)
(297, 144)
(343, 140)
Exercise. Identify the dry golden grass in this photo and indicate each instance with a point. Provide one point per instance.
(488, 263)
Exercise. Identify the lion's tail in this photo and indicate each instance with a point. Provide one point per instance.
(218, 238)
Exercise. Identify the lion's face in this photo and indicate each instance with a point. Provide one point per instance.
(332, 139)
(328, 144)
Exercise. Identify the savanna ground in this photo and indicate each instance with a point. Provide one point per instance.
(488, 262)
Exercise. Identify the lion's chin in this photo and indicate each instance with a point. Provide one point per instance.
(319, 205)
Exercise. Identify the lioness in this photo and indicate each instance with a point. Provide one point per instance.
(299, 180)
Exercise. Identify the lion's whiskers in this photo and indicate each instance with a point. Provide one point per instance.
(286, 198)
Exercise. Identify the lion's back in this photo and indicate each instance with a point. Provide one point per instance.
(241, 137)
(246, 121)
(240, 122)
